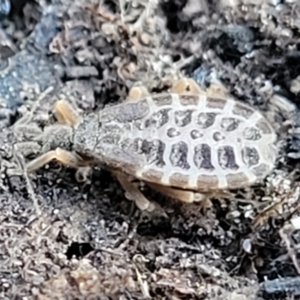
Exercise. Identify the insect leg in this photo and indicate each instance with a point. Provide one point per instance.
(186, 85)
(65, 113)
(182, 195)
(137, 93)
(133, 193)
(67, 158)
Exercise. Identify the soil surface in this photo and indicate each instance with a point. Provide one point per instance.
(65, 239)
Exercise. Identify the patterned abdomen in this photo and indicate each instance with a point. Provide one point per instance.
(198, 142)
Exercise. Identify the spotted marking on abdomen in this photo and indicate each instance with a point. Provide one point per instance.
(206, 120)
(208, 182)
(178, 179)
(250, 156)
(189, 99)
(179, 154)
(183, 118)
(242, 110)
(236, 180)
(216, 103)
(226, 158)
(218, 136)
(152, 175)
(154, 151)
(196, 134)
(202, 157)
(230, 124)
(251, 134)
(261, 170)
(162, 100)
(264, 127)
(158, 119)
(173, 132)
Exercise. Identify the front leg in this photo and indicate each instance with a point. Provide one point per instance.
(67, 158)
(188, 196)
(66, 114)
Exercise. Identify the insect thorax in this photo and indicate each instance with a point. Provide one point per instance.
(86, 134)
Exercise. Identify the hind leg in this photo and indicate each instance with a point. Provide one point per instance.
(188, 196)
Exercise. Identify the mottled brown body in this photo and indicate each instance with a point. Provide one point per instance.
(185, 143)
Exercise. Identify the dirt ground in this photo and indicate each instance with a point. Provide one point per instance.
(64, 239)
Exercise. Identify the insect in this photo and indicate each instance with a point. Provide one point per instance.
(186, 144)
